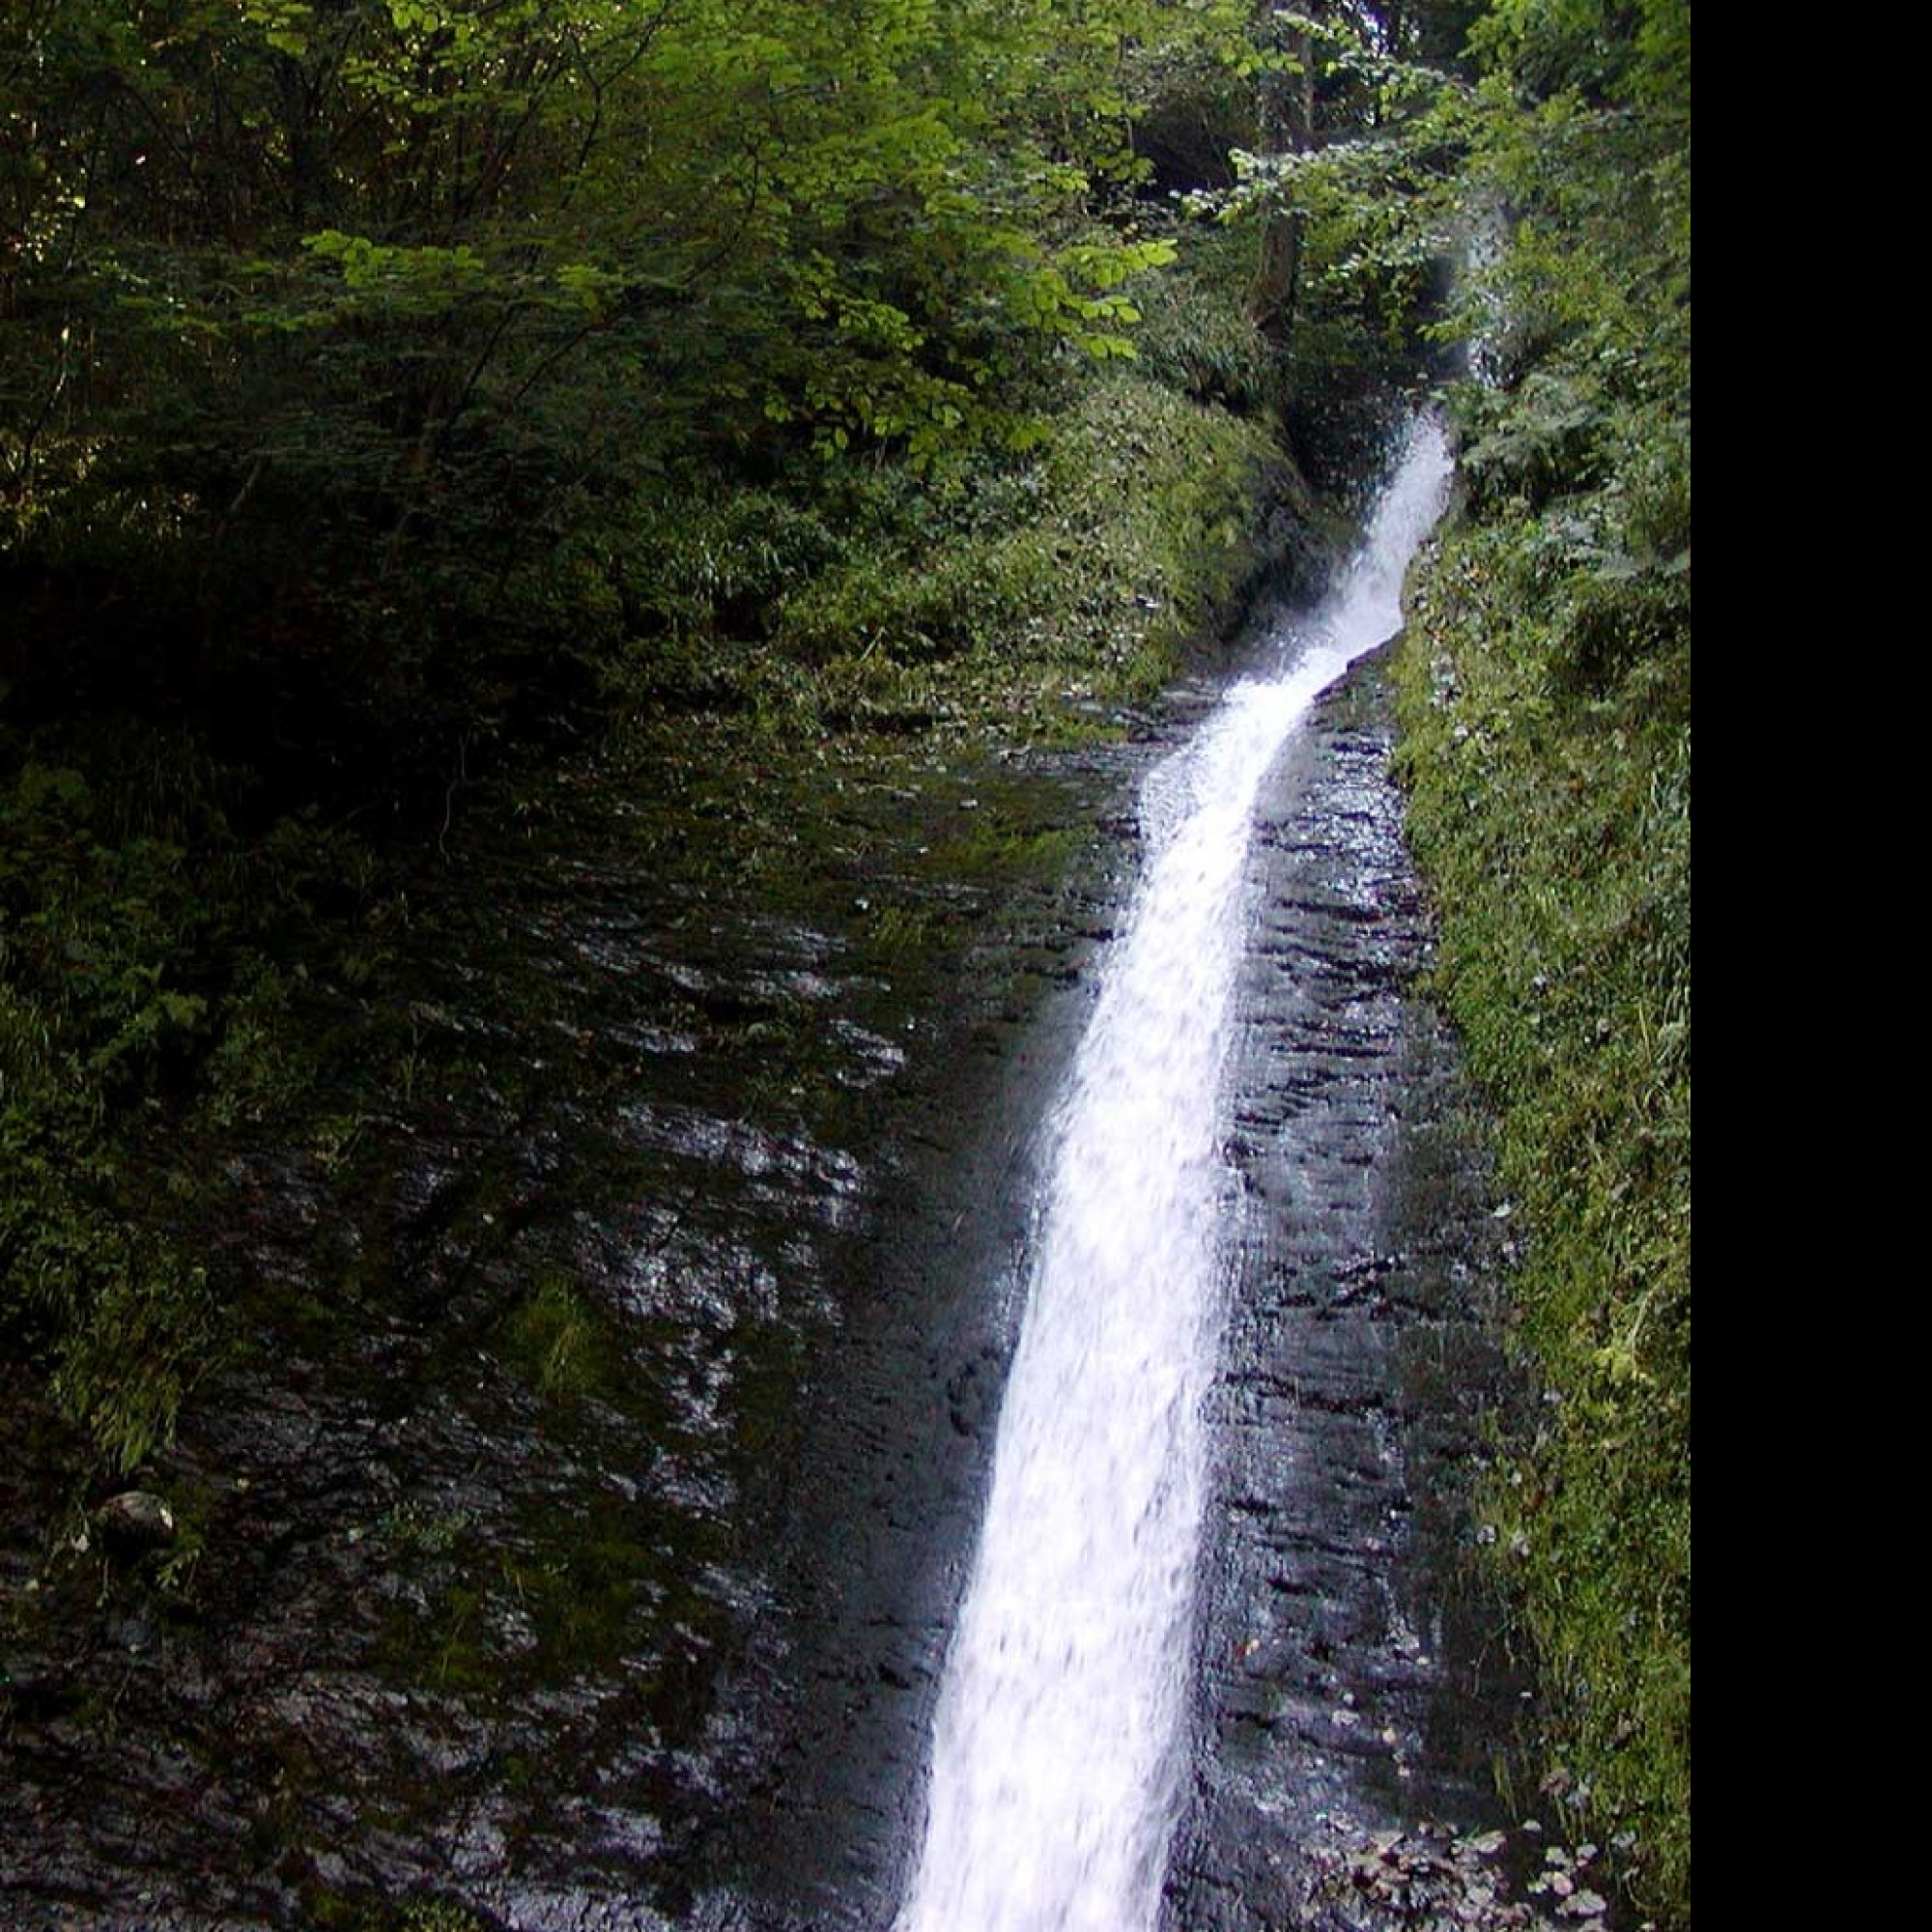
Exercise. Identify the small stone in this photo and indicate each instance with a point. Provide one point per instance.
(136, 1520)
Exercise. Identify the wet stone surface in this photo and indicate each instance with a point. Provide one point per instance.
(575, 1533)
(571, 1532)
(1352, 1677)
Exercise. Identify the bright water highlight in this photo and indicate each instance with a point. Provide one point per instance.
(1060, 1738)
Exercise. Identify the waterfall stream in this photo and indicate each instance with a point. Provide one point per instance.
(1060, 1736)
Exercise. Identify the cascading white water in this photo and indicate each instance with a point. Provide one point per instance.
(1060, 1738)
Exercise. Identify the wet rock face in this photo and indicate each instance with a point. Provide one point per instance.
(1345, 1683)
(577, 1531)
(604, 1425)
(1351, 1696)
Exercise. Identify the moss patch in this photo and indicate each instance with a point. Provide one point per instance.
(1555, 827)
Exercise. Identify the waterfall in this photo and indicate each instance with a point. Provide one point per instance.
(1059, 1740)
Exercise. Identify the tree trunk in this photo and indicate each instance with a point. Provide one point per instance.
(1287, 127)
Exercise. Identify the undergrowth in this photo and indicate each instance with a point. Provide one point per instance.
(1556, 831)
(153, 941)
(990, 594)
(1545, 713)
(178, 925)
(1546, 710)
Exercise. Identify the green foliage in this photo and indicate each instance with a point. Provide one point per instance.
(1078, 569)
(371, 372)
(1599, 51)
(1346, 193)
(1546, 715)
(1197, 338)
(1557, 831)
(702, 562)
(119, 1321)
(557, 1342)
(354, 296)
(437, 1916)
(328, 1911)
(145, 980)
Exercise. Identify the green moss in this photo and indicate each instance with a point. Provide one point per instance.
(460, 1657)
(437, 1916)
(440, 1641)
(1555, 827)
(155, 936)
(1001, 848)
(558, 1342)
(1546, 702)
(1076, 572)
(328, 1909)
(589, 1576)
(416, 1528)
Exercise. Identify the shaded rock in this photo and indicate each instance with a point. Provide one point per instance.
(1344, 1695)
(135, 1522)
